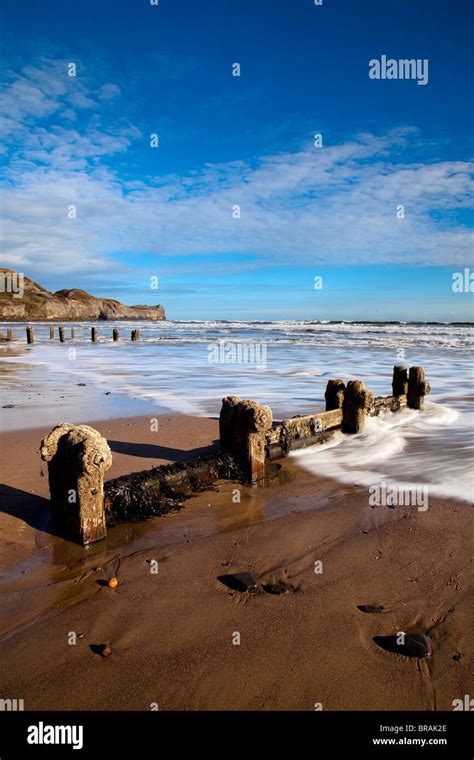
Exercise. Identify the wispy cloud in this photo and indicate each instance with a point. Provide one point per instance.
(332, 205)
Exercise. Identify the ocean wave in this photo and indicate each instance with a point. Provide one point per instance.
(400, 449)
(169, 370)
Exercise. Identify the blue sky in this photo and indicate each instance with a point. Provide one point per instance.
(305, 211)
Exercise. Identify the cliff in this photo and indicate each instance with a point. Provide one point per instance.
(32, 303)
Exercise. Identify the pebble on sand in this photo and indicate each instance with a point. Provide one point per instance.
(239, 582)
(104, 650)
(373, 609)
(414, 644)
(275, 588)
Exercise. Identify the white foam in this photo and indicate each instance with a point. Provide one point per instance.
(175, 374)
(397, 449)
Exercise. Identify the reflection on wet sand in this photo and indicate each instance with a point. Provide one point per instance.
(58, 574)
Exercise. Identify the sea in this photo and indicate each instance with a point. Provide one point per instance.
(189, 366)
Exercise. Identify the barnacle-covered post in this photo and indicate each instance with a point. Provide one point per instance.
(357, 402)
(334, 394)
(77, 457)
(243, 425)
(400, 380)
(418, 387)
(227, 421)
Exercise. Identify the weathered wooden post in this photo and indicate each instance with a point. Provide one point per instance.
(62, 337)
(242, 426)
(357, 400)
(9, 334)
(116, 334)
(30, 337)
(418, 387)
(400, 380)
(93, 334)
(253, 420)
(73, 332)
(77, 457)
(135, 335)
(334, 394)
(227, 422)
(51, 332)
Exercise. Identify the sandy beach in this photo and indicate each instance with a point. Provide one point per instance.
(173, 633)
(236, 374)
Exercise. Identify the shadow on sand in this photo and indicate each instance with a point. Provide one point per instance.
(154, 451)
(32, 509)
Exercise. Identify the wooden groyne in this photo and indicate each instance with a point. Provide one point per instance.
(94, 334)
(8, 336)
(78, 456)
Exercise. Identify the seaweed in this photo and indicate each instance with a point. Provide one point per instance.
(163, 489)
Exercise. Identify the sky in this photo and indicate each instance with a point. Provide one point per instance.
(153, 160)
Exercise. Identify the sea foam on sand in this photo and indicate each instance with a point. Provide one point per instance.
(398, 449)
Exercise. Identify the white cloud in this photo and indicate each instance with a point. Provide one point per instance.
(108, 91)
(43, 91)
(334, 205)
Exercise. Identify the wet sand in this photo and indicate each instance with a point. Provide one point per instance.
(173, 633)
